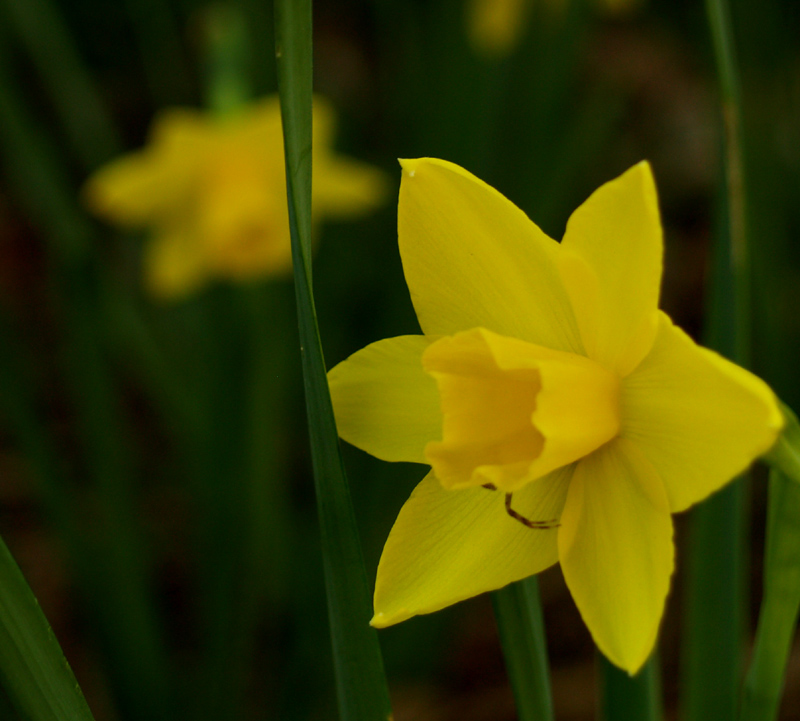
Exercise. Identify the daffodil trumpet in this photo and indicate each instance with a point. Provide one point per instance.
(545, 370)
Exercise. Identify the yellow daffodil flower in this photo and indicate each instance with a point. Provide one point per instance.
(564, 417)
(496, 26)
(213, 192)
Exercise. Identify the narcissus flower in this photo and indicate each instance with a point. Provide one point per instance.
(213, 192)
(495, 26)
(564, 417)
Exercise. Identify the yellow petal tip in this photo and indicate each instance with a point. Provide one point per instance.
(380, 620)
(409, 166)
(645, 171)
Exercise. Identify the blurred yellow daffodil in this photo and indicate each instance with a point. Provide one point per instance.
(496, 26)
(564, 416)
(213, 192)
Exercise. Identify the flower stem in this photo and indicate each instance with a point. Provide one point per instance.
(518, 611)
(733, 162)
(76, 100)
(779, 609)
(631, 698)
(716, 565)
(227, 59)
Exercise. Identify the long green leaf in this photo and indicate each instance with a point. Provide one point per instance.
(779, 610)
(34, 671)
(518, 611)
(360, 680)
(631, 698)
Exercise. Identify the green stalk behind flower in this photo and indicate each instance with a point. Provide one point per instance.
(518, 609)
(716, 596)
(360, 681)
(779, 609)
(631, 698)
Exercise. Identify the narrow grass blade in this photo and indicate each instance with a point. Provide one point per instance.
(360, 680)
(34, 672)
(631, 698)
(716, 599)
(777, 621)
(518, 610)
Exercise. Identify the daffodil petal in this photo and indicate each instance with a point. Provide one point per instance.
(384, 402)
(447, 546)
(145, 186)
(259, 128)
(616, 551)
(346, 188)
(136, 189)
(700, 419)
(473, 259)
(174, 265)
(180, 129)
(611, 264)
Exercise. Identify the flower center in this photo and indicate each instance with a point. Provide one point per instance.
(514, 411)
(241, 224)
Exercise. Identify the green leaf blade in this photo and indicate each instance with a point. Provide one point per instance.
(518, 611)
(779, 610)
(35, 673)
(360, 680)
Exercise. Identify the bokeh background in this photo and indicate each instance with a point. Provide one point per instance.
(155, 479)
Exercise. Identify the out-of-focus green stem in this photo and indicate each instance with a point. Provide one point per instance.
(82, 112)
(123, 602)
(779, 609)
(714, 623)
(271, 337)
(127, 602)
(518, 610)
(28, 163)
(715, 597)
(719, 20)
(631, 698)
(233, 517)
(227, 59)
(17, 415)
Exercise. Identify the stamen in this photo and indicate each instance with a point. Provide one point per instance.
(553, 523)
(541, 525)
